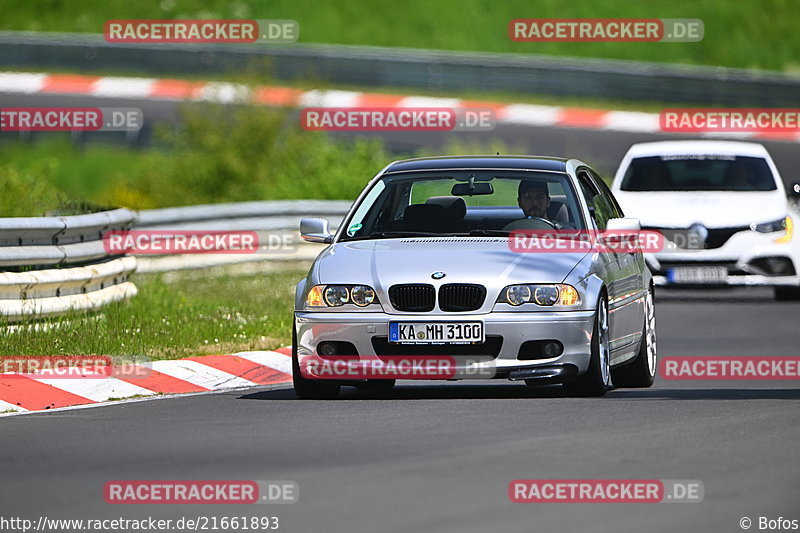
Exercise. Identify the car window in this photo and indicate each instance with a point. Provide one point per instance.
(600, 208)
(703, 172)
(357, 221)
(441, 202)
(616, 210)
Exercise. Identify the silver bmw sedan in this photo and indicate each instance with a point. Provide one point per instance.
(474, 268)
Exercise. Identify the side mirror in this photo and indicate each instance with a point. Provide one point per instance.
(795, 189)
(316, 230)
(623, 224)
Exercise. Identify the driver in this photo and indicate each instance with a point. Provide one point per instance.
(533, 198)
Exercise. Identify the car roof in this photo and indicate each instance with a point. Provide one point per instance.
(478, 162)
(697, 148)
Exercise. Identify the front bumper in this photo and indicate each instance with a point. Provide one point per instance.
(743, 256)
(365, 331)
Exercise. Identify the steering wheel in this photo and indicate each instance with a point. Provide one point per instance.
(545, 221)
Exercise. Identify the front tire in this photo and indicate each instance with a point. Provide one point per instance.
(641, 372)
(310, 389)
(787, 294)
(596, 380)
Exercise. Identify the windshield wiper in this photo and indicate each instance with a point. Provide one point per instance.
(489, 233)
(393, 234)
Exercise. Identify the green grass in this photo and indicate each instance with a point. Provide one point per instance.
(746, 33)
(173, 316)
(43, 178)
(217, 155)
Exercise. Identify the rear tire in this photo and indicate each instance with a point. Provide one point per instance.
(787, 294)
(596, 380)
(641, 372)
(310, 389)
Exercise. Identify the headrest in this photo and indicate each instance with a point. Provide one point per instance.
(423, 213)
(454, 206)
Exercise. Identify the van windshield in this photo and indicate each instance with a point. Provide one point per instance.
(698, 173)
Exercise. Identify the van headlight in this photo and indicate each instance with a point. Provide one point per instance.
(770, 227)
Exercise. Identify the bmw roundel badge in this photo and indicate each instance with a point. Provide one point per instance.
(438, 275)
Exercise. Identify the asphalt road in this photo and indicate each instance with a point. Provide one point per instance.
(439, 457)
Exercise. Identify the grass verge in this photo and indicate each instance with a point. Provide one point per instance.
(175, 315)
(746, 33)
(217, 154)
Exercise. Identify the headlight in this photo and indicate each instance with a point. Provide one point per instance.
(336, 295)
(518, 294)
(543, 295)
(770, 227)
(362, 296)
(339, 295)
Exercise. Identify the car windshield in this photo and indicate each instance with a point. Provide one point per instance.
(698, 173)
(464, 203)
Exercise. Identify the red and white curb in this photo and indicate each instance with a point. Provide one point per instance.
(36, 392)
(173, 89)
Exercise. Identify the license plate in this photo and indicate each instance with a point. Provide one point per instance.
(435, 332)
(705, 274)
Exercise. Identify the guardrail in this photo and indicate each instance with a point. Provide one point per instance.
(53, 265)
(397, 67)
(270, 220)
(50, 266)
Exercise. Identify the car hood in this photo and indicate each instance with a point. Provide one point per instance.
(712, 209)
(463, 260)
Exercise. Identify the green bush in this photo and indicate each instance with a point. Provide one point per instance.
(249, 153)
(217, 154)
(27, 193)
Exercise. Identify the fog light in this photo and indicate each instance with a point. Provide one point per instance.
(326, 348)
(553, 349)
(542, 349)
(773, 266)
(779, 265)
